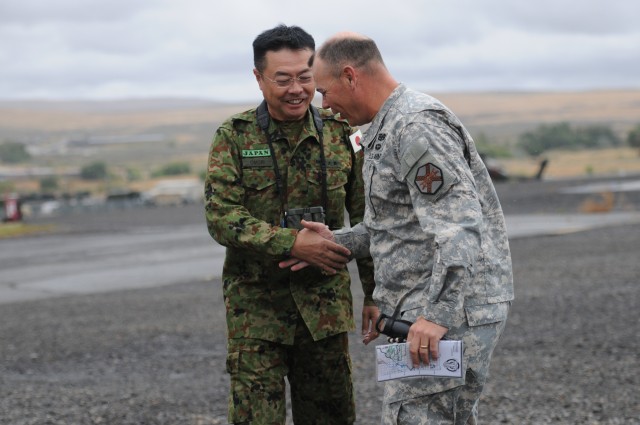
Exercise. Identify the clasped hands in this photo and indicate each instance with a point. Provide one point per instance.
(315, 246)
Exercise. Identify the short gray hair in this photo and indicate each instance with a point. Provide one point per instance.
(358, 52)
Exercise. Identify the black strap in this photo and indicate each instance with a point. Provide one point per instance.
(323, 162)
(263, 117)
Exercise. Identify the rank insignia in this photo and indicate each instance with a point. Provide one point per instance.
(429, 179)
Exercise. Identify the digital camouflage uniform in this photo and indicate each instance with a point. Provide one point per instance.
(436, 232)
(272, 310)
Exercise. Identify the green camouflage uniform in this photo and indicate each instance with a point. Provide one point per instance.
(268, 307)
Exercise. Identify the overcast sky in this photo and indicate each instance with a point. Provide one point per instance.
(114, 49)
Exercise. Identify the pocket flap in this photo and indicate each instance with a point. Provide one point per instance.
(486, 313)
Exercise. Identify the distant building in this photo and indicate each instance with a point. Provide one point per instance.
(174, 192)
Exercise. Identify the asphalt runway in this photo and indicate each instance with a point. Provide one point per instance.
(68, 263)
(139, 247)
(117, 317)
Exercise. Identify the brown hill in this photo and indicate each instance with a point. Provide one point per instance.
(500, 113)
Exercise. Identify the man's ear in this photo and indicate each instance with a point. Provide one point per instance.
(350, 74)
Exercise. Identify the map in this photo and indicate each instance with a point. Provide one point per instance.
(393, 361)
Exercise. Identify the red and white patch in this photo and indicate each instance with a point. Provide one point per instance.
(355, 139)
(429, 179)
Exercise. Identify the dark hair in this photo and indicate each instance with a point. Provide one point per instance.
(280, 37)
(356, 52)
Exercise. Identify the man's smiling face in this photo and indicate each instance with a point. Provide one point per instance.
(288, 103)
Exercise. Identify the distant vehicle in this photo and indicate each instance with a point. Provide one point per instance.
(123, 196)
(498, 173)
(11, 207)
(174, 192)
(496, 170)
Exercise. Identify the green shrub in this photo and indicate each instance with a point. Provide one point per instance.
(633, 138)
(13, 152)
(173, 169)
(49, 184)
(562, 136)
(94, 171)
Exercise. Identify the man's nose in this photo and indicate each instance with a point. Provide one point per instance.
(296, 87)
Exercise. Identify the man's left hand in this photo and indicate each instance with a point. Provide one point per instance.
(424, 337)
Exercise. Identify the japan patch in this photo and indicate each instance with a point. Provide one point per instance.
(429, 179)
(355, 139)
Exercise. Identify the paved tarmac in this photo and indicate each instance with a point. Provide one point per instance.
(117, 318)
(70, 263)
(132, 248)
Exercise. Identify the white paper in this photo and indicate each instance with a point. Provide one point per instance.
(393, 361)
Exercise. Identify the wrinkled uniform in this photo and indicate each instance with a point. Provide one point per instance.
(437, 235)
(266, 305)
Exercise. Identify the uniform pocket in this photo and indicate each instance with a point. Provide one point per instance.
(261, 195)
(337, 179)
(478, 315)
(258, 179)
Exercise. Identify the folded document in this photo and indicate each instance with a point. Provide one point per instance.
(394, 361)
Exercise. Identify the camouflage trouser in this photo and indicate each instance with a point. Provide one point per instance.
(319, 375)
(458, 405)
(436, 409)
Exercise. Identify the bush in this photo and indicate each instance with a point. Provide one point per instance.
(489, 149)
(597, 136)
(13, 152)
(633, 138)
(173, 169)
(94, 171)
(133, 174)
(562, 136)
(49, 184)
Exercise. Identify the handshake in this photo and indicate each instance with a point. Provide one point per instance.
(315, 246)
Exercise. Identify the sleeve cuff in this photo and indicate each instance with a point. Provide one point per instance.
(283, 241)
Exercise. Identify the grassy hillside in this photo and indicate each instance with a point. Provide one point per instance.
(494, 113)
(143, 135)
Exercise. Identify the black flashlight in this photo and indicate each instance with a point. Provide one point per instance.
(393, 328)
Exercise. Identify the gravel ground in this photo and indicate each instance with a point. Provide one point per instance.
(569, 354)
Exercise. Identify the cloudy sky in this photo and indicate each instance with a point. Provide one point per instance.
(114, 49)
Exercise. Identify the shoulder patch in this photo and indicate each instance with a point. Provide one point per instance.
(429, 179)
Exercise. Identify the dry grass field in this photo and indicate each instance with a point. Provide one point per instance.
(485, 109)
(478, 110)
(181, 130)
(566, 164)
